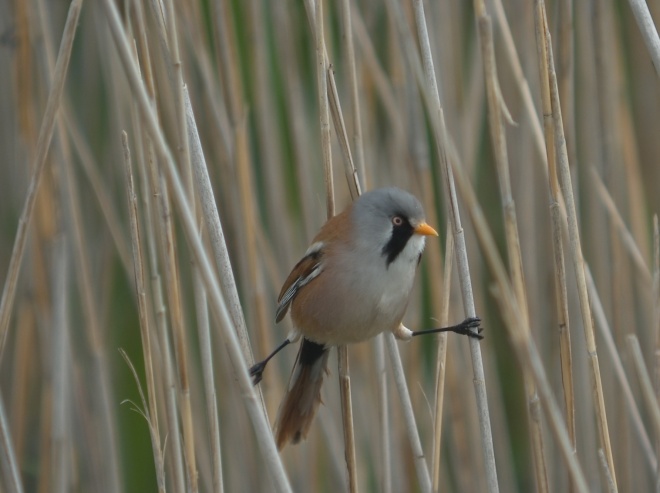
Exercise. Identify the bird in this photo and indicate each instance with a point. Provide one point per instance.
(352, 283)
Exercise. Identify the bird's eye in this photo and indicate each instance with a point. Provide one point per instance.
(397, 221)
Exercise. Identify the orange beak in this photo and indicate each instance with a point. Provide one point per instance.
(425, 230)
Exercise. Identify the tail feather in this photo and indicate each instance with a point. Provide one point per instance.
(304, 395)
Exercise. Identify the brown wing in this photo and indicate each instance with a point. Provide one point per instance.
(310, 265)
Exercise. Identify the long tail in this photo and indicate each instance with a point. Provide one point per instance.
(304, 395)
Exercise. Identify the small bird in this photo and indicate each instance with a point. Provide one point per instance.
(353, 283)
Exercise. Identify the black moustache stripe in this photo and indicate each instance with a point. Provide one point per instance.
(397, 242)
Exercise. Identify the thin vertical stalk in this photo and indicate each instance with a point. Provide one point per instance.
(409, 417)
(559, 264)
(250, 398)
(498, 138)
(181, 344)
(576, 250)
(619, 371)
(349, 48)
(648, 30)
(646, 385)
(60, 357)
(8, 464)
(441, 364)
(526, 350)
(105, 422)
(43, 144)
(427, 79)
(140, 287)
(322, 69)
(205, 349)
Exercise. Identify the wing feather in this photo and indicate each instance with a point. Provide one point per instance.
(307, 269)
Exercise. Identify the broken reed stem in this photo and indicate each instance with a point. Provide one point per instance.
(575, 246)
(561, 295)
(262, 427)
(425, 74)
(498, 138)
(140, 287)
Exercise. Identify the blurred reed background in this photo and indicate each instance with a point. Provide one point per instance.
(120, 365)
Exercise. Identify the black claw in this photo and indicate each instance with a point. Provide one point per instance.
(469, 324)
(257, 372)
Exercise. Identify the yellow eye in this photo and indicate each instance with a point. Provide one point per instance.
(397, 221)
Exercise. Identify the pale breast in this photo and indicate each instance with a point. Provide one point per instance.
(359, 300)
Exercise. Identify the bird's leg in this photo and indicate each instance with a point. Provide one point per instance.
(465, 328)
(257, 370)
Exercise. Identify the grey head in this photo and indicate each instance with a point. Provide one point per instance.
(385, 221)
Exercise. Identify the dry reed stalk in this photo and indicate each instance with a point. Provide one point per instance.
(43, 144)
(8, 464)
(214, 226)
(383, 85)
(247, 194)
(349, 49)
(626, 237)
(656, 281)
(215, 231)
(496, 112)
(629, 398)
(170, 54)
(556, 214)
(323, 73)
(609, 480)
(653, 408)
(152, 188)
(648, 30)
(95, 179)
(521, 81)
(107, 421)
(526, 351)
(178, 325)
(429, 88)
(61, 439)
(566, 73)
(140, 286)
(656, 322)
(154, 197)
(441, 364)
(419, 459)
(268, 133)
(575, 246)
(205, 349)
(250, 399)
